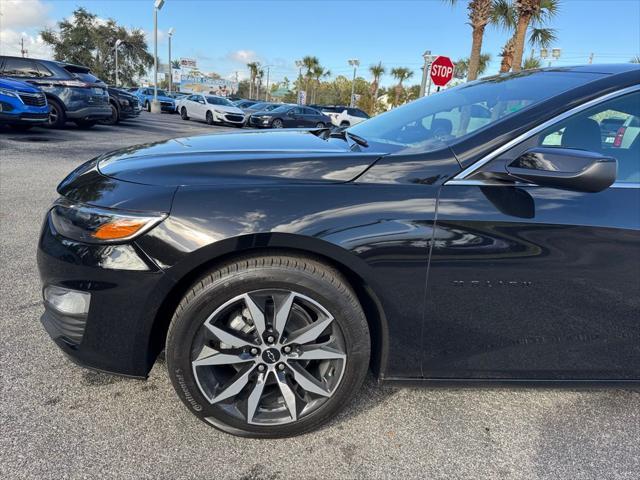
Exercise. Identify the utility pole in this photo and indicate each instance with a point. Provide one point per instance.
(155, 105)
(426, 68)
(22, 50)
(299, 64)
(170, 33)
(355, 63)
(118, 43)
(590, 58)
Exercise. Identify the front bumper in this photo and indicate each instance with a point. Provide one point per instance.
(259, 122)
(24, 118)
(126, 290)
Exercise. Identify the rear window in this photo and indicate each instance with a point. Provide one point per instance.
(82, 73)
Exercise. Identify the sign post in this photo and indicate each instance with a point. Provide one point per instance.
(442, 71)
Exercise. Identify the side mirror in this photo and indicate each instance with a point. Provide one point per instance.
(290, 113)
(566, 168)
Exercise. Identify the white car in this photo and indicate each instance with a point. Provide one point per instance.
(343, 116)
(210, 108)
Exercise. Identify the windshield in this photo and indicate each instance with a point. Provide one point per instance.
(219, 101)
(162, 93)
(259, 106)
(281, 109)
(439, 120)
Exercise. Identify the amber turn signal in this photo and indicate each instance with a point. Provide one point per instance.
(119, 228)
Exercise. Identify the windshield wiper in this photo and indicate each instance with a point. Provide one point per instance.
(357, 138)
(326, 132)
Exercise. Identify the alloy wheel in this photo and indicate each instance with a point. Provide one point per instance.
(269, 357)
(53, 114)
(277, 123)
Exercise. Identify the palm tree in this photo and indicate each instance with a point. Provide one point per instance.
(259, 77)
(635, 59)
(309, 63)
(253, 73)
(377, 71)
(526, 10)
(462, 65)
(318, 72)
(479, 13)
(175, 64)
(531, 63)
(504, 16)
(401, 74)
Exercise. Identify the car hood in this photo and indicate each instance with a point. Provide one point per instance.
(17, 85)
(227, 109)
(165, 99)
(289, 156)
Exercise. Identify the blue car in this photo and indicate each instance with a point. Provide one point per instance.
(145, 95)
(22, 105)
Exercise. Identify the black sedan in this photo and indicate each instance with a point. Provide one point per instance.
(289, 116)
(123, 105)
(429, 244)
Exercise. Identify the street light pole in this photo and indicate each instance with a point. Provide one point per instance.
(299, 64)
(266, 91)
(170, 33)
(354, 62)
(155, 105)
(428, 60)
(118, 43)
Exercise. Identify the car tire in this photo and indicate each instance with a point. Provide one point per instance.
(57, 115)
(320, 125)
(85, 124)
(114, 119)
(183, 114)
(277, 123)
(209, 118)
(223, 394)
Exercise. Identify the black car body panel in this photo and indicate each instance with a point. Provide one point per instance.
(82, 96)
(290, 116)
(127, 104)
(475, 281)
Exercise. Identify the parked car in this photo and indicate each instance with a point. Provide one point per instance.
(72, 91)
(22, 106)
(245, 103)
(609, 128)
(145, 97)
(123, 105)
(211, 109)
(628, 133)
(342, 116)
(275, 268)
(289, 116)
(259, 107)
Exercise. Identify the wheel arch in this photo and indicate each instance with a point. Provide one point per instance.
(51, 96)
(351, 267)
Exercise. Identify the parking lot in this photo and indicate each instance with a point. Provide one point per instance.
(61, 421)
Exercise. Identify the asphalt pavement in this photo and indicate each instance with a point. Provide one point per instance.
(58, 420)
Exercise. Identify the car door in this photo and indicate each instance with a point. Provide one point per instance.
(539, 283)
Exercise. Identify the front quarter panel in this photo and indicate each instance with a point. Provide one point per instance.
(379, 232)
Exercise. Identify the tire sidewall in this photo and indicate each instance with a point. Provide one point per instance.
(179, 343)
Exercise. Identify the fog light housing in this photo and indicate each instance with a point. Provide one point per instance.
(67, 301)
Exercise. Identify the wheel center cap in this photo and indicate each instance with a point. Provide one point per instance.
(271, 355)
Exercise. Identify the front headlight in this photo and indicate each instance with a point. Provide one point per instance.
(9, 93)
(88, 224)
(125, 102)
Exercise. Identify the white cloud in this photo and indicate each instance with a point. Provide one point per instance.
(17, 14)
(35, 47)
(243, 56)
(162, 37)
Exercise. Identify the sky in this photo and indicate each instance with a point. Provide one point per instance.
(224, 35)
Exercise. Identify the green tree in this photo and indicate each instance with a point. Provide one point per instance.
(253, 73)
(479, 14)
(175, 64)
(635, 59)
(318, 72)
(531, 63)
(401, 74)
(85, 41)
(309, 63)
(462, 66)
(376, 71)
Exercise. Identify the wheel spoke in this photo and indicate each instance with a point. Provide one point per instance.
(228, 338)
(282, 314)
(235, 386)
(209, 356)
(256, 314)
(311, 332)
(287, 394)
(307, 381)
(322, 352)
(255, 396)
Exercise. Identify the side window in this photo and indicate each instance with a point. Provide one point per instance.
(297, 111)
(310, 111)
(43, 71)
(611, 128)
(17, 67)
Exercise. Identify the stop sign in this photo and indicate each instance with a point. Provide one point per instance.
(441, 71)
